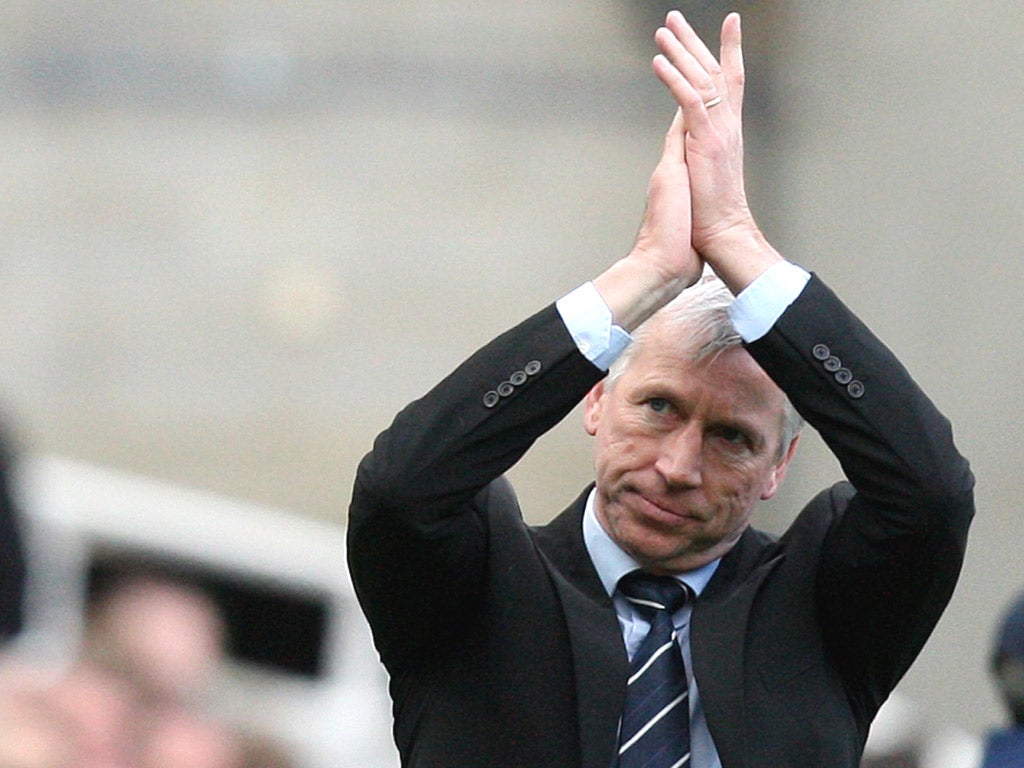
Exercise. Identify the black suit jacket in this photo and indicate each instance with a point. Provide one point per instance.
(503, 648)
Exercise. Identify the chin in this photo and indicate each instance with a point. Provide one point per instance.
(651, 552)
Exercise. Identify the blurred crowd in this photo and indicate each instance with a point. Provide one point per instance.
(137, 692)
(135, 696)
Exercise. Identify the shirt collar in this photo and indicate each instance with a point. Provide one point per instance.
(612, 562)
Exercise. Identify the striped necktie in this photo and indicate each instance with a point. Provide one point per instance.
(655, 730)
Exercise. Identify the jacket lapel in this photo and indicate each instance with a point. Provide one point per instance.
(717, 634)
(718, 630)
(596, 640)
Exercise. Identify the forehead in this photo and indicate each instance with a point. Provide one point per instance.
(730, 380)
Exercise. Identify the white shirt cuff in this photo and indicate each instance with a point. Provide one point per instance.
(759, 305)
(589, 322)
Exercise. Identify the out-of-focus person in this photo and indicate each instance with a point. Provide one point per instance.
(1004, 747)
(164, 635)
(136, 694)
(177, 737)
(167, 638)
(33, 734)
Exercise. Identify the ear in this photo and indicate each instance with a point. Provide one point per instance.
(592, 404)
(778, 473)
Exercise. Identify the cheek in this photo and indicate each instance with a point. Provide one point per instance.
(618, 453)
(609, 441)
(745, 476)
(735, 494)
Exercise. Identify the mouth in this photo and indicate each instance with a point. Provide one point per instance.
(662, 511)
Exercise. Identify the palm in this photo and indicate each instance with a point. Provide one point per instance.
(666, 234)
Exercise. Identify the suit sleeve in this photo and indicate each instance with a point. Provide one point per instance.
(418, 519)
(894, 551)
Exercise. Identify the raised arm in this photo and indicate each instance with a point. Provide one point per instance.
(424, 498)
(893, 553)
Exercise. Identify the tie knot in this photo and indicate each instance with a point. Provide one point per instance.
(654, 593)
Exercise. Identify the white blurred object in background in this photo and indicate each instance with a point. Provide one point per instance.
(314, 682)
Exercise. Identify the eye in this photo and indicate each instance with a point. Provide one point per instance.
(733, 436)
(659, 405)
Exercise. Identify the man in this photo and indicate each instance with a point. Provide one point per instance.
(510, 646)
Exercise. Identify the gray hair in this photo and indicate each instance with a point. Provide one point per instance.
(699, 315)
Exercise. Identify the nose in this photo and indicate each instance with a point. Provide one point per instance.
(680, 460)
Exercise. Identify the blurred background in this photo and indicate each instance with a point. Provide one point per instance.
(240, 235)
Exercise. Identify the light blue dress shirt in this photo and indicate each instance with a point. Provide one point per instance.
(612, 564)
(589, 321)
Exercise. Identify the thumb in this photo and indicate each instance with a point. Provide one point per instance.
(675, 139)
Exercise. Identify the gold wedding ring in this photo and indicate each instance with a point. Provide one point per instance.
(712, 102)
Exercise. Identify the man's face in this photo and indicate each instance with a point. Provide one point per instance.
(683, 452)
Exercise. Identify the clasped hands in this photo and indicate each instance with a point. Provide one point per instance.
(697, 210)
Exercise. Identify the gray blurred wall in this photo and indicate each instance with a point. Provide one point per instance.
(240, 235)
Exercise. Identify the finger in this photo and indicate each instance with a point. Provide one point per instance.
(685, 66)
(695, 63)
(732, 60)
(697, 49)
(686, 96)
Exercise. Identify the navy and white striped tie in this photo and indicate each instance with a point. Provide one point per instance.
(655, 730)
